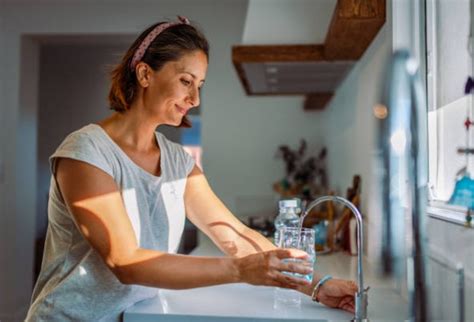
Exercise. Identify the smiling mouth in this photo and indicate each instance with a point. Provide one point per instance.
(181, 110)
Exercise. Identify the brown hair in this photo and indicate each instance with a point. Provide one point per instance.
(169, 45)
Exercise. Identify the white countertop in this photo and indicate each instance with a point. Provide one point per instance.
(243, 302)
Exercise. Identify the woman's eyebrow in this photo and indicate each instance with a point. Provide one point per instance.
(195, 77)
(192, 75)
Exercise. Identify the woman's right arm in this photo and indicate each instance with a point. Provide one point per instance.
(96, 204)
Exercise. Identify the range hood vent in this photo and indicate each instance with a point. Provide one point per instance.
(312, 70)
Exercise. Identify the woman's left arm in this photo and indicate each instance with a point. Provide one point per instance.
(211, 216)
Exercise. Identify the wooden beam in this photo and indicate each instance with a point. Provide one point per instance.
(354, 25)
(316, 102)
(242, 76)
(276, 53)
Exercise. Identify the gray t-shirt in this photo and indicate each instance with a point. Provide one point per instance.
(75, 284)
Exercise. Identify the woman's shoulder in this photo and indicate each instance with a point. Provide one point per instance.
(87, 131)
(86, 137)
(86, 144)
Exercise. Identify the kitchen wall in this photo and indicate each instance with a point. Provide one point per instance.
(349, 130)
(240, 134)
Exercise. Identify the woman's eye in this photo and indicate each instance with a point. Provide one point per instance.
(185, 82)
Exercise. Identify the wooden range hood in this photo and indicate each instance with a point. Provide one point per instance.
(317, 70)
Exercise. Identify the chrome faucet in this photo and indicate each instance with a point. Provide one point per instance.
(402, 151)
(361, 295)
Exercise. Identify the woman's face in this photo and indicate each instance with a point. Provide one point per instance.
(174, 89)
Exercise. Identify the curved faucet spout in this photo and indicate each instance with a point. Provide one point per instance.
(361, 295)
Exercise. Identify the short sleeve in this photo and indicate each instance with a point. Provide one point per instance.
(82, 147)
(188, 161)
(179, 162)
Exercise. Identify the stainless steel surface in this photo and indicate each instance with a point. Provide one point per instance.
(361, 295)
(402, 151)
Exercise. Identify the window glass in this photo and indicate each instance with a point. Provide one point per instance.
(449, 64)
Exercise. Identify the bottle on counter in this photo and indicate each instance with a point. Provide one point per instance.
(289, 210)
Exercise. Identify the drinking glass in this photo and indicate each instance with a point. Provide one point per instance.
(299, 238)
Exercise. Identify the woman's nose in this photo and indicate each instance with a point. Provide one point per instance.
(194, 98)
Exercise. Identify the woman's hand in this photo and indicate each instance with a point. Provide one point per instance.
(266, 268)
(339, 294)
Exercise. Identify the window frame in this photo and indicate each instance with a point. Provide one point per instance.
(437, 209)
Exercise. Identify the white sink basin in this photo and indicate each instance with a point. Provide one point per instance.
(232, 302)
(242, 302)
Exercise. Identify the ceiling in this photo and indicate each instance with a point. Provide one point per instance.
(287, 21)
(267, 21)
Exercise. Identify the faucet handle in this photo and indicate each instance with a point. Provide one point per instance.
(361, 303)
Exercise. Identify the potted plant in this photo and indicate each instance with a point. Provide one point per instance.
(305, 176)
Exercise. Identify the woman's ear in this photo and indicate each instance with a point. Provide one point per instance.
(143, 72)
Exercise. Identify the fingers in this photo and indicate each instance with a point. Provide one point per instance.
(299, 267)
(279, 267)
(347, 304)
(288, 262)
(339, 294)
(291, 252)
(349, 308)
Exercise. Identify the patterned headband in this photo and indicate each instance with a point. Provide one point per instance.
(138, 55)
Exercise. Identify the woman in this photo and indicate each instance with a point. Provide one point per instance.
(120, 191)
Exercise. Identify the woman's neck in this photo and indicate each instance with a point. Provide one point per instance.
(132, 130)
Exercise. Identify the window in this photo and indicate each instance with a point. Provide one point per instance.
(191, 139)
(449, 63)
